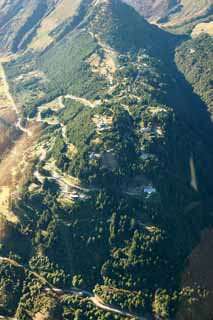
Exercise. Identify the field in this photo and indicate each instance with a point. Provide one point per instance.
(203, 28)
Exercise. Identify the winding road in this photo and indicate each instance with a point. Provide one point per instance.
(92, 297)
(84, 101)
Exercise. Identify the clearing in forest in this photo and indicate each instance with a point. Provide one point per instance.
(5, 205)
(203, 28)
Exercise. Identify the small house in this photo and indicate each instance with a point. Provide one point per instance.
(149, 190)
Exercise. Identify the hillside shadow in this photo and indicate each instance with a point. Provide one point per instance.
(190, 109)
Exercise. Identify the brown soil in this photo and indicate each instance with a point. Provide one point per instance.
(14, 170)
(10, 170)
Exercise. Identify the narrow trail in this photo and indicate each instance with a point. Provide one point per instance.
(84, 101)
(99, 304)
(61, 105)
(64, 133)
(42, 108)
(92, 297)
(66, 184)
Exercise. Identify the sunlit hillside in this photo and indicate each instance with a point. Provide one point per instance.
(106, 153)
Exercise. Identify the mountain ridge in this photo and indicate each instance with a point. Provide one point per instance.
(52, 16)
(110, 185)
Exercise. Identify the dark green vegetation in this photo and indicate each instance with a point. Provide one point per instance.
(195, 60)
(62, 75)
(105, 229)
(72, 77)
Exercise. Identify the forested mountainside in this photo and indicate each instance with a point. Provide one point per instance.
(195, 59)
(106, 186)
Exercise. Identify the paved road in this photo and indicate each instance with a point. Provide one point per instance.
(96, 301)
(93, 298)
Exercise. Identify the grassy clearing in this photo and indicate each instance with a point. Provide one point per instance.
(106, 65)
(104, 119)
(69, 180)
(155, 110)
(152, 229)
(96, 141)
(5, 200)
(203, 28)
(54, 105)
(72, 150)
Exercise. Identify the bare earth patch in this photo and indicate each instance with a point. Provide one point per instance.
(6, 109)
(14, 168)
(5, 202)
(203, 28)
(107, 65)
(104, 119)
(97, 141)
(72, 150)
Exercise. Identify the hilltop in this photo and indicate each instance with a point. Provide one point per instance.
(36, 24)
(115, 150)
